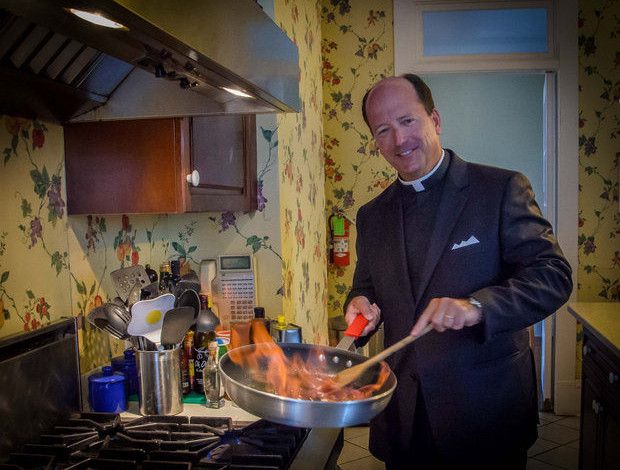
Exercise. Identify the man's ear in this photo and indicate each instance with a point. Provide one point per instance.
(436, 121)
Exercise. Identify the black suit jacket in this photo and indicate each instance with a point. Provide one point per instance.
(491, 242)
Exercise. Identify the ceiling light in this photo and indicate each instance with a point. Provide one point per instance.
(96, 18)
(237, 92)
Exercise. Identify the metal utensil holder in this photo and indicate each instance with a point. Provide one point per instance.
(159, 375)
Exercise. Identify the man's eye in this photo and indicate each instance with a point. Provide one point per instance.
(408, 120)
(381, 131)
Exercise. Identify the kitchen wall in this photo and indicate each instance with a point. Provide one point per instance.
(599, 130)
(301, 170)
(357, 50)
(53, 265)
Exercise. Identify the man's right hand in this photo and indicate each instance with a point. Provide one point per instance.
(361, 305)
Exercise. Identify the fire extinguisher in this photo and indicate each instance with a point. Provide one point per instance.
(339, 230)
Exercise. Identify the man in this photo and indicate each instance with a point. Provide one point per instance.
(462, 247)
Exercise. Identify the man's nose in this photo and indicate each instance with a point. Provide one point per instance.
(399, 136)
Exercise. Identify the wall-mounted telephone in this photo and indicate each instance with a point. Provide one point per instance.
(235, 282)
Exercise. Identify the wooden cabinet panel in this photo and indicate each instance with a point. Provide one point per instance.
(223, 151)
(140, 166)
(125, 167)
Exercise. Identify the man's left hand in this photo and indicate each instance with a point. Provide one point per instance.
(447, 314)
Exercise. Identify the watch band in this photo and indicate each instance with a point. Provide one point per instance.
(476, 303)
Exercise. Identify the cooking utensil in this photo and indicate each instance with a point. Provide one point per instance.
(118, 317)
(187, 281)
(346, 376)
(206, 321)
(176, 323)
(189, 298)
(147, 317)
(99, 319)
(353, 331)
(125, 278)
(306, 413)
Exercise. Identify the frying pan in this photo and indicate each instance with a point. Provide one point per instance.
(306, 413)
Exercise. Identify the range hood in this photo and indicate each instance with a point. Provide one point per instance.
(169, 58)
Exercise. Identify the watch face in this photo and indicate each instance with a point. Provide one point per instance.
(235, 262)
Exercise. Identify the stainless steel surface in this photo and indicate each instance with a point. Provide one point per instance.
(39, 382)
(129, 281)
(159, 376)
(306, 413)
(346, 342)
(320, 450)
(179, 54)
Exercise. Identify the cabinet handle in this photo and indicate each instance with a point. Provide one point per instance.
(613, 378)
(586, 350)
(193, 178)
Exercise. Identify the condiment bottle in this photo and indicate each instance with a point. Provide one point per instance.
(211, 379)
(187, 363)
(201, 356)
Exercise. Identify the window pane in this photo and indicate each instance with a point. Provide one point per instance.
(499, 31)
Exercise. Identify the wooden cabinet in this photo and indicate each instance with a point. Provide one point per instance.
(600, 405)
(140, 166)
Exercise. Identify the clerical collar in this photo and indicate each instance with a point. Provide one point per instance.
(429, 179)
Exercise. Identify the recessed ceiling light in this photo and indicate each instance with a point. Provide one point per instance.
(236, 92)
(96, 18)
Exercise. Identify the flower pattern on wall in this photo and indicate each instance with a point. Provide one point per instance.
(599, 129)
(301, 183)
(357, 51)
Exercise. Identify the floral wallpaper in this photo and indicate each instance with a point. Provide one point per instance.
(599, 130)
(357, 50)
(302, 199)
(52, 265)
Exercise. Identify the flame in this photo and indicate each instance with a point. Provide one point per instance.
(295, 377)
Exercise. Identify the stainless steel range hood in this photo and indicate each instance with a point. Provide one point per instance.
(170, 58)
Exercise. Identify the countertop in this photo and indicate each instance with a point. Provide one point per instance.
(602, 318)
(229, 409)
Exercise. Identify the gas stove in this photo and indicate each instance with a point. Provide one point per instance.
(104, 441)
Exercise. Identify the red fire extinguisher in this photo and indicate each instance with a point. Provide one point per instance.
(339, 230)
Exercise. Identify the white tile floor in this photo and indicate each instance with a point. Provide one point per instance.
(557, 446)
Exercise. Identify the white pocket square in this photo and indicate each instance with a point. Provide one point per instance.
(470, 241)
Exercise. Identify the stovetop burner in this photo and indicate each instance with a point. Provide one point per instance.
(103, 441)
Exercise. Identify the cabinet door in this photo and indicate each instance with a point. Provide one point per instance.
(124, 167)
(589, 425)
(223, 151)
(610, 437)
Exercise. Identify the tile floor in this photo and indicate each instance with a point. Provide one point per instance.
(557, 446)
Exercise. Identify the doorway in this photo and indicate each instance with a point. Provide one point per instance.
(502, 119)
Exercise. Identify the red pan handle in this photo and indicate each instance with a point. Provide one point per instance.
(357, 326)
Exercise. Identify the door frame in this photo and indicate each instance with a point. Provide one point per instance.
(561, 177)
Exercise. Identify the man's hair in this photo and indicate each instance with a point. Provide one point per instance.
(421, 88)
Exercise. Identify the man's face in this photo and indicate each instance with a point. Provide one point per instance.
(406, 135)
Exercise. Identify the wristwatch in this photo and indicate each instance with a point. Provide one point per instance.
(476, 303)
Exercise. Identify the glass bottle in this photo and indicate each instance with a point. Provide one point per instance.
(164, 277)
(201, 357)
(211, 379)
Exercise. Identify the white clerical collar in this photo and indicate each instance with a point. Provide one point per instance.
(417, 184)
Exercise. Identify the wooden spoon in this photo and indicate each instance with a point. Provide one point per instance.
(349, 375)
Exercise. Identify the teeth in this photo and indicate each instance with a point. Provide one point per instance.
(405, 153)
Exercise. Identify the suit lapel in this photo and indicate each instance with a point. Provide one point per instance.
(454, 196)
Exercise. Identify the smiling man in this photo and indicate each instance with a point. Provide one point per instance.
(462, 247)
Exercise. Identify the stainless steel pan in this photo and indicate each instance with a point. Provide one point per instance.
(306, 413)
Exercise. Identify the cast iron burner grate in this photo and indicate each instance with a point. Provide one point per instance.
(102, 441)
